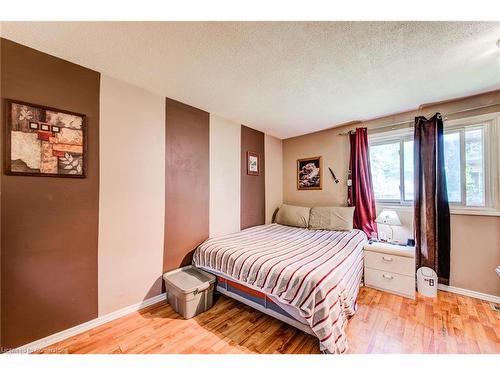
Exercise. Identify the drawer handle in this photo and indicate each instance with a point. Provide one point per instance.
(387, 259)
(390, 277)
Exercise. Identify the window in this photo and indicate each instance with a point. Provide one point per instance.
(452, 166)
(464, 165)
(384, 159)
(470, 164)
(391, 162)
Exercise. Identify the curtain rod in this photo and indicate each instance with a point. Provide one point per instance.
(410, 122)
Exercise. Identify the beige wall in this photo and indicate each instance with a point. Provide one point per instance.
(334, 150)
(225, 140)
(475, 246)
(274, 175)
(475, 252)
(132, 186)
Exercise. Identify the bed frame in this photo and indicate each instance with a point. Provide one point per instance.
(259, 301)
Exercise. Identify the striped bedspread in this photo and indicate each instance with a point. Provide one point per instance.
(316, 271)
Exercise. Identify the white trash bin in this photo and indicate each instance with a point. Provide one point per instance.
(427, 281)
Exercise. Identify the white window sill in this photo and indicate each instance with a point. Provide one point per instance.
(474, 212)
(453, 211)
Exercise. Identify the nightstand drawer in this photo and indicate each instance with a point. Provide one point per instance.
(389, 262)
(390, 282)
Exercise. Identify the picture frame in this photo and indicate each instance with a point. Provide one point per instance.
(310, 173)
(253, 163)
(41, 141)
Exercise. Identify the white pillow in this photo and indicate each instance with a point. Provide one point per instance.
(331, 218)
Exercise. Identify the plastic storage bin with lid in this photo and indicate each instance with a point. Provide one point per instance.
(427, 281)
(189, 290)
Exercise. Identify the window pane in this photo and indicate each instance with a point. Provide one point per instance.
(474, 167)
(452, 166)
(408, 170)
(384, 160)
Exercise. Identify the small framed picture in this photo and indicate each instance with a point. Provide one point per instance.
(253, 163)
(34, 125)
(45, 127)
(309, 172)
(55, 129)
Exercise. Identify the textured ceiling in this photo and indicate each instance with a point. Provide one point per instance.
(284, 78)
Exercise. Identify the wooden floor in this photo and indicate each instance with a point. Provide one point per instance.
(384, 323)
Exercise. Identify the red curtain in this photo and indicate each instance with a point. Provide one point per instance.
(360, 193)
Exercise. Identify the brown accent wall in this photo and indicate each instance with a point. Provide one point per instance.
(253, 188)
(186, 182)
(49, 225)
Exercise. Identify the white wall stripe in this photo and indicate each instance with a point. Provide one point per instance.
(131, 194)
(225, 179)
(274, 175)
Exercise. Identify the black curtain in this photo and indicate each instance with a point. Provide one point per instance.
(432, 210)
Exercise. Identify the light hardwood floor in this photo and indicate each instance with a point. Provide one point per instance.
(384, 323)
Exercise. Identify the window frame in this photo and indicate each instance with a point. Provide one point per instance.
(490, 124)
(491, 140)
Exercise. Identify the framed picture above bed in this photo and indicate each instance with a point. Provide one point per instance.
(309, 173)
(45, 142)
(253, 163)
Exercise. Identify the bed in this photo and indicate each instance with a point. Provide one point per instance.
(307, 278)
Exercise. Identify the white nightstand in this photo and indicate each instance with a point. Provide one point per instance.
(390, 268)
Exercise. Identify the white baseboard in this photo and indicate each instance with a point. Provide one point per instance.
(59, 336)
(469, 293)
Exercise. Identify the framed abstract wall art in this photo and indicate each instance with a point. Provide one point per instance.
(309, 173)
(43, 141)
(253, 163)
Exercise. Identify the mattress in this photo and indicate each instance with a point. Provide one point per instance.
(315, 272)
